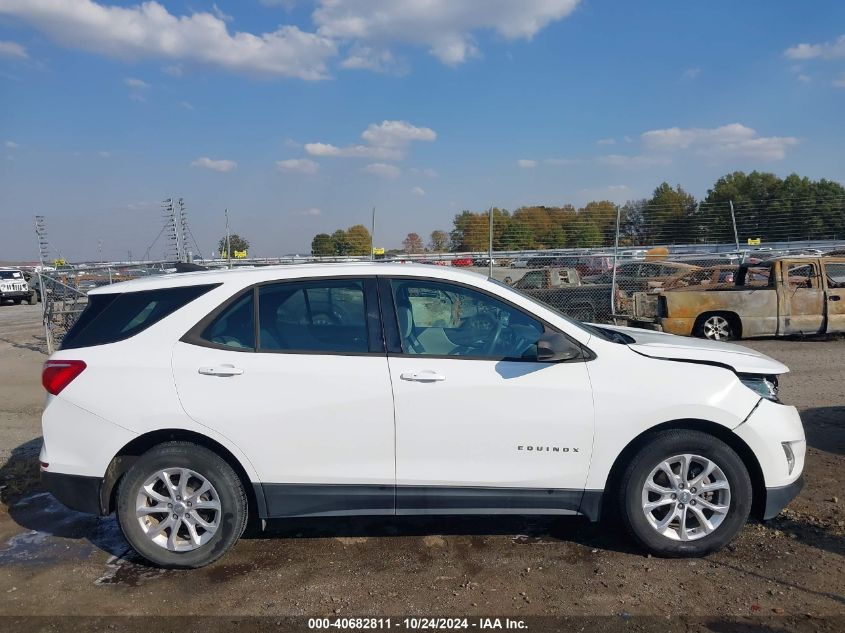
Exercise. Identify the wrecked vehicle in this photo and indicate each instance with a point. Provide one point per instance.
(798, 295)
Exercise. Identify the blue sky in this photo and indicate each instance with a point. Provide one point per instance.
(299, 116)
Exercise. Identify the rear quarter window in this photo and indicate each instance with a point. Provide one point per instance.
(113, 317)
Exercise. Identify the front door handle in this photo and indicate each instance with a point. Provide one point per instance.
(833, 298)
(221, 370)
(422, 376)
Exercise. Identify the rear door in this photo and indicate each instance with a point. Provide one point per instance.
(834, 276)
(802, 298)
(294, 373)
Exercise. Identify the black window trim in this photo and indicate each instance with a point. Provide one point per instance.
(393, 342)
(371, 313)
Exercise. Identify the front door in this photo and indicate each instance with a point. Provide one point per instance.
(834, 274)
(802, 298)
(295, 375)
(481, 425)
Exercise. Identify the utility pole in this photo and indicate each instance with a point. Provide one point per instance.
(615, 260)
(373, 237)
(228, 243)
(490, 245)
(733, 221)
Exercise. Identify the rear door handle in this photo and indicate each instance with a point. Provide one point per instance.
(221, 370)
(833, 298)
(422, 376)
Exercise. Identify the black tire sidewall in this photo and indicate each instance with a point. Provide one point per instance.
(665, 445)
(225, 481)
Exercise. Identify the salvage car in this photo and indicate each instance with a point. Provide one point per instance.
(190, 403)
(14, 287)
(786, 296)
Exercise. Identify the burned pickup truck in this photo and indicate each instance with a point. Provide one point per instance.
(798, 295)
(562, 289)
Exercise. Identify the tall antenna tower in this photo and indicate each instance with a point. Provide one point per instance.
(171, 230)
(43, 243)
(184, 231)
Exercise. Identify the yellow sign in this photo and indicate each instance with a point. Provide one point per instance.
(754, 241)
(378, 251)
(59, 262)
(240, 254)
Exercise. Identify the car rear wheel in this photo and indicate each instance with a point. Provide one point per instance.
(181, 506)
(717, 327)
(686, 493)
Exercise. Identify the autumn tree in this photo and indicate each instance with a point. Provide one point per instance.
(439, 241)
(360, 241)
(322, 245)
(413, 244)
(341, 243)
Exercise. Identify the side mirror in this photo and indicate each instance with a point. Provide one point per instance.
(554, 347)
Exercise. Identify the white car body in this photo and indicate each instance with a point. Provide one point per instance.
(390, 433)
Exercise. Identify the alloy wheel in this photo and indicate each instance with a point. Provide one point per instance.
(717, 328)
(686, 497)
(178, 509)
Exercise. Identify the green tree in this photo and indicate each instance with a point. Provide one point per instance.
(341, 243)
(236, 243)
(322, 245)
(439, 241)
(669, 216)
(587, 235)
(359, 239)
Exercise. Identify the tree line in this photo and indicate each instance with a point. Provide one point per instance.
(760, 205)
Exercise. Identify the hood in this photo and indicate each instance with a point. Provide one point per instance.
(742, 360)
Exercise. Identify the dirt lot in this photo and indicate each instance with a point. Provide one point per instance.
(56, 562)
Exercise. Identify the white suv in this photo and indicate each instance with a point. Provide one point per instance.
(189, 402)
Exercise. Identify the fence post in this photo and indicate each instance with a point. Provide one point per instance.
(44, 312)
(733, 220)
(613, 274)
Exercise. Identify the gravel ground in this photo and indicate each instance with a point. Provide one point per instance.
(57, 562)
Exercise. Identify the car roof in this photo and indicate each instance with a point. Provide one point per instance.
(247, 276)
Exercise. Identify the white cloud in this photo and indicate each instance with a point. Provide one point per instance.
(148, 30)
(353, 151)
(221, 165)
(104, 154)
(562, 161)
(727, 141)
(11, 145)
(840, 82)
(379, 60)
(804, 78)
(313, 212)
(12, 49)
(446, 27)
(417, 191)
(136, 84)
(219, 14)
(396, 134)
(387, 140)
(606, 141)
(825, 50)
(383, 170)
(526, 163)
(299, 165)
(187, 105)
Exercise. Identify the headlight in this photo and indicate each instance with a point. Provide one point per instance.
(765, 386)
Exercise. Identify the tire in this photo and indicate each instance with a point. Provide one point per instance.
(717, 326)
(199, 466)
(32, 300)
(734, 502)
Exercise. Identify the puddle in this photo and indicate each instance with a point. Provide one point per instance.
(128, 570)
(526, 539)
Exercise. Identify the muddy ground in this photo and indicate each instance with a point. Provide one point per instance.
(56, 562)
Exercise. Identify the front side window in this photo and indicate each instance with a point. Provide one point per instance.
(835, 274)
(442, 319)
(327, 316)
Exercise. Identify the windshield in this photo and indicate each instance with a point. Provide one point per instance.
(594, 330)
(11, 274)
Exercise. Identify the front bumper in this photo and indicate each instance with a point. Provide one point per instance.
(77, 492)
(15, 294)
(778, 498)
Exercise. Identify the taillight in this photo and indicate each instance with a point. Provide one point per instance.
(58, 374)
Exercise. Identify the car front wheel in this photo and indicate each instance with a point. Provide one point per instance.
(686, 493)
(181, 506)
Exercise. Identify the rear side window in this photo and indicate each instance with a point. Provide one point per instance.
(235, 326)
(109, 318)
